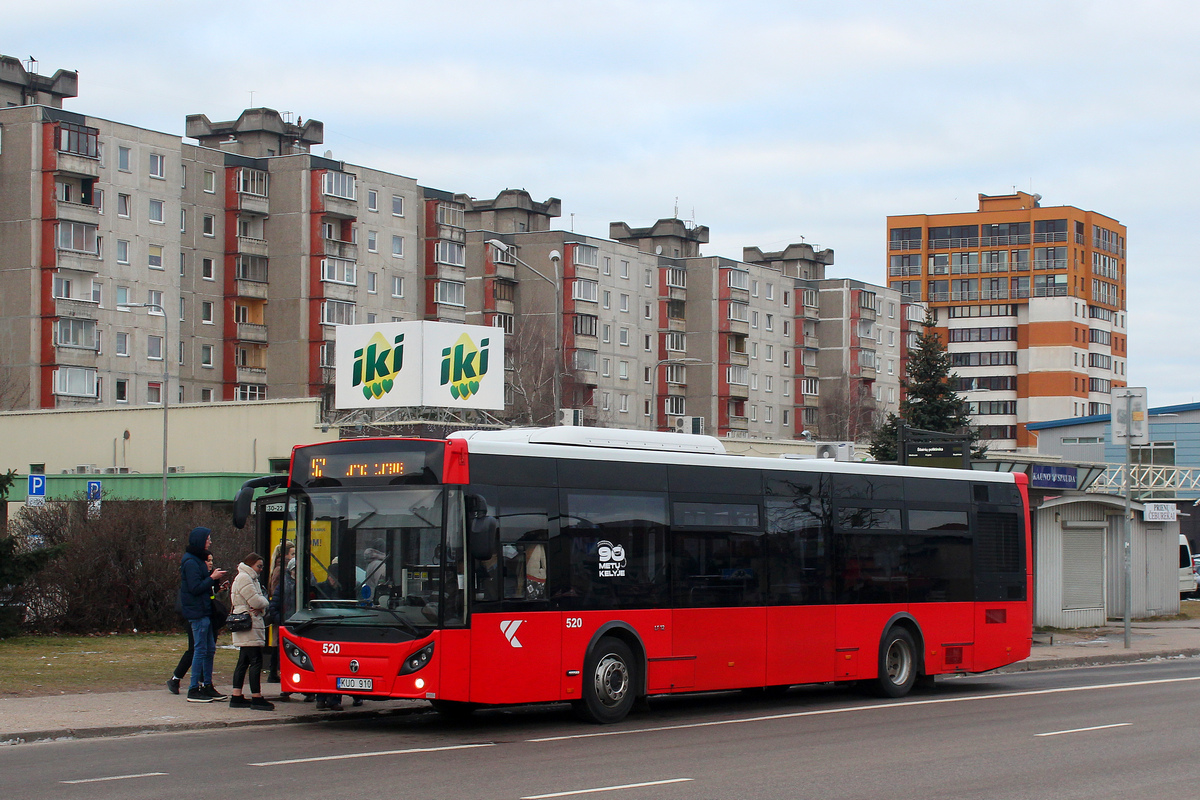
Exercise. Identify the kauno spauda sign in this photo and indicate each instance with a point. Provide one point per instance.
(407, 364)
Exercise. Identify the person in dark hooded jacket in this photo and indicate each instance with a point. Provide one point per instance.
(195, 600)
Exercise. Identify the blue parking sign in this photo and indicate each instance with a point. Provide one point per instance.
(93, 490)
(36, 493)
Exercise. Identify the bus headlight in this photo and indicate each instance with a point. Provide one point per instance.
(417, 660)
(297, 656)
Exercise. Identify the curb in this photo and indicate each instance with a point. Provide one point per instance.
(28, 737)
(1099, 659)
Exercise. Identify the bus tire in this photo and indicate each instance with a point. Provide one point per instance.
(453, 709)
(897, 663)
(609, 682)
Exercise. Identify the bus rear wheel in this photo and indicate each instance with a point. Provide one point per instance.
(608, 682)
(897, 663)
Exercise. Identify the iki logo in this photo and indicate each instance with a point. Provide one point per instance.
(377, 364)
(462, 367)
(509, 628)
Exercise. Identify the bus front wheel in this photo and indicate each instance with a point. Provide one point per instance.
(897, 663)
(608, 682)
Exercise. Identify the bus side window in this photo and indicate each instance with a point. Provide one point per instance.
(516, 570)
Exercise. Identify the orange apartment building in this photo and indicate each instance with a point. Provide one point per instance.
(1031, 304)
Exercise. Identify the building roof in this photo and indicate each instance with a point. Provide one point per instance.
(1066, 423)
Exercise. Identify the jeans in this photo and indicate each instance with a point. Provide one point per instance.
(206, 651)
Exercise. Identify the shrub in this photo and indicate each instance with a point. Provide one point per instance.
(120, 570)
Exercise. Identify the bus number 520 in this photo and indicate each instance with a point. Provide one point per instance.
(574, 622)
(331, 648)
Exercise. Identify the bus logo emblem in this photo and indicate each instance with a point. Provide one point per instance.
(612, 559)
(509, 628)
(354, 665)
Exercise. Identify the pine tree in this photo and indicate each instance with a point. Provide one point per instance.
(930, 403)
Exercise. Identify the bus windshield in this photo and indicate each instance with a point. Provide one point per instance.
(381, 556)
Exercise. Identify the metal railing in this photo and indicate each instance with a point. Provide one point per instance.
(904, 244)
(1147, 480)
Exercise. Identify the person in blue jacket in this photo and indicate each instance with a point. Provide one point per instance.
(195, 599)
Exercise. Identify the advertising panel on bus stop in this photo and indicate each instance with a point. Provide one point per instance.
(412, 364)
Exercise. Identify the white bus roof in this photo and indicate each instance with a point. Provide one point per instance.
(617, 438)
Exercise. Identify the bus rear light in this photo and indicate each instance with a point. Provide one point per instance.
(297, 656)
(417, 661)
(954, 655)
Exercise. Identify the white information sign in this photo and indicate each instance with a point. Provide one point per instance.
(1130, 415)
(407, 364)
(1159, 512)
(35, 494)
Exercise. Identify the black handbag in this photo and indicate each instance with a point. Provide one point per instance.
(239, 622)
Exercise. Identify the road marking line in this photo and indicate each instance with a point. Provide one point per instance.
(116, 777)
(607, 788)
(369, 755)
(876, 707)
(1084, 730)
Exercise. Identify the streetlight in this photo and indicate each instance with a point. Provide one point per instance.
(555, 258)
(165, 386)
(654, 385)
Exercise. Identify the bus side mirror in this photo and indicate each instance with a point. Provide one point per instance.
(245, 496)
(483, 538)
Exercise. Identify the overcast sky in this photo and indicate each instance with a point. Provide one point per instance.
(767, 122)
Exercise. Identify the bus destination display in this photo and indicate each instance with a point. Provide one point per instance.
(330, 465)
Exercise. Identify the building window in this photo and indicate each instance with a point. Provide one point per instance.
(739, 279)
(623, 337)
(372, 200)
(81, 333)
(625, 303)
(339, 270)
(623, 370)
(210, 181)
(123, 204)
(122, 344)
(252, 181)
(75, 381)
(585, 325)
(206, 312)
(154, 348)
(156, 211)
(206, 355)
(451, 253)
(738, 375)
(504, 322)
(339, 184)
(158, 166)
(155, 256)
(586, 255)
(583, 289)
(78, 237)
(739, 312)
(251, 391)
(607, 266)
(62, 287)
(451, 293)
(398, 246)
(209, 225)
(607, 299)
(397, 206)
(585, 360)
(397, 286)
(123, 159)
(372, 244)
(648, 343)
(122, 251)
(337, 312)
(122, 390)
(449, 214)
(674, 406)
(372, 282)
(675, 341)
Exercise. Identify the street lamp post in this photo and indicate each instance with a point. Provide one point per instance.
(555, 258)
(165, 387)
(654, 385)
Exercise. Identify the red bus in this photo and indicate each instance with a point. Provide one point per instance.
(598, 566)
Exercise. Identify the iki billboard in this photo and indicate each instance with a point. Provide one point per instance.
(403, 364)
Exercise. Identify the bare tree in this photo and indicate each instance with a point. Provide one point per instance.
(531, 370)
(14, 388)
(848, 412)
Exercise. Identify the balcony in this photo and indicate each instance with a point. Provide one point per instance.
(904, 272)
(339, 249)
(737, 326)
(676, 325)
(739, 391)
(1053, 236)
(253, 289)
(813, 342)
(904, 244)
(76, 260)
(78, 212)
(739, 423)
(251, 374)
(966, 243)
(253, 204)
(251, 332)
(249, 246)
(77, 165)
(739, 359)
(339, 207)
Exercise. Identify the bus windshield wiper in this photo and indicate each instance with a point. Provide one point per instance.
(331, 618)
(404, 623)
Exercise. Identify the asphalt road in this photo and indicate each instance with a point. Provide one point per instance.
(1126, 731)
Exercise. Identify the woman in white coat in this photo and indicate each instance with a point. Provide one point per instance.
(246, 597)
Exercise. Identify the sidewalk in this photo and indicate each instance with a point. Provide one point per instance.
(80, 716)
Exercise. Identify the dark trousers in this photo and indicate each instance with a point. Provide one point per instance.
(185, 660)
(249, 658)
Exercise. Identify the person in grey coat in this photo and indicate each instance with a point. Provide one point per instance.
(246, 597)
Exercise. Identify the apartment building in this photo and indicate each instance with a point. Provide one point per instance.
(1030, 301)
(137, 267)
